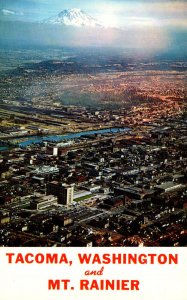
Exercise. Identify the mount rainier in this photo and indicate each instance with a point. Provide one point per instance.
(73, 17)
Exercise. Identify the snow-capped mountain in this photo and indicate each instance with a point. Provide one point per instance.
(73, 17)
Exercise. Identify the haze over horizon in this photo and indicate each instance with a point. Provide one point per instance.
(139, 24)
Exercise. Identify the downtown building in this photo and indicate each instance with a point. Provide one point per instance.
(64, 192)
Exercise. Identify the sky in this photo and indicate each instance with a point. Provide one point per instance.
(119, 13)
(148, 22)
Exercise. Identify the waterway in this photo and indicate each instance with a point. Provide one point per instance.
(58, 138)
(3, 148)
